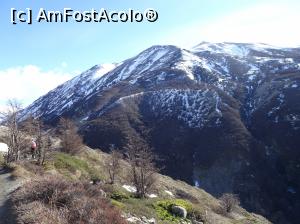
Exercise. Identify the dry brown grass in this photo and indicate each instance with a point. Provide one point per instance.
(52, 200)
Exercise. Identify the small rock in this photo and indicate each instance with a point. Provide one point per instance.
(103, 193)
(152, 221)
(133, 219)
(185, 222)
(179, 211)
(196, 222)
(148, 221)
(144, 219)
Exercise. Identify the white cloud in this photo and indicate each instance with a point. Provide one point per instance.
(29, 82)
(274, 23)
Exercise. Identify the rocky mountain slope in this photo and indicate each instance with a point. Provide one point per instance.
(224, 116)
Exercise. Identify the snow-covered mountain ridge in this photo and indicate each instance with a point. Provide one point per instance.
(227, 66)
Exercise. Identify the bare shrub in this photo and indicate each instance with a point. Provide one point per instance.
(31, 167)
(112, 165)
(60, 201)
(15, 139)
(228, 202)
(37, 212)
(142, 167)
(45, 148)
(71, 141)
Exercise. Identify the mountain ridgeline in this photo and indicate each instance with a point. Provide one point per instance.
(224, 117)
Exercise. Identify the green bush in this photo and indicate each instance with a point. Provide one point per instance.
(118, 196)
(118, 204)
(163, 208)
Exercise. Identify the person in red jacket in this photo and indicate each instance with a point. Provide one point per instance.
(33, 148)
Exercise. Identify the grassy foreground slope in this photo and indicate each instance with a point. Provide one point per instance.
(72, 176)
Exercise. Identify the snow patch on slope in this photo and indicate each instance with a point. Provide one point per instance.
(194, 107)
(103, 69)
(233, 49)
(147, 61)
(190, 61)
(240, 50)
(129, 188)
(223, 48)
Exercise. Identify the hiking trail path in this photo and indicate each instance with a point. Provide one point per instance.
(7, 186)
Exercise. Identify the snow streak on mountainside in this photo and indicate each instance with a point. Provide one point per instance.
(193, 107)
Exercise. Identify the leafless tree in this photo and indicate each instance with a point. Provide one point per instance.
(41, 140)
(30, 126)
(71, 141)
(44, 147)
(113, 163)
(35, 128)
(47, 147)
(15, 138)
(142, 167)
(228, 202)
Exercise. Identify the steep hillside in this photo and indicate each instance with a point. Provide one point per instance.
(64, 171)
(223, 116)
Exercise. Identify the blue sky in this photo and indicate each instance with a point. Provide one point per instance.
(83, 45)
(41, 56)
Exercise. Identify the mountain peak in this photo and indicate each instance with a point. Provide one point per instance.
(239, 49)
